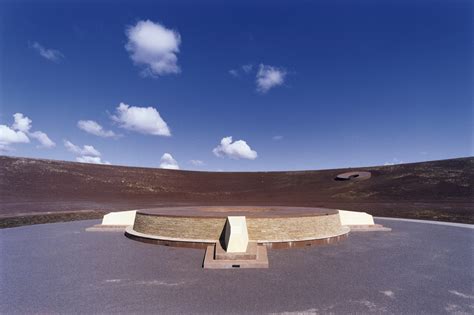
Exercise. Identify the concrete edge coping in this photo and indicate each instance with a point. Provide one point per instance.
(452, 224)
(106, 228)
(369, 228)
(129, 229)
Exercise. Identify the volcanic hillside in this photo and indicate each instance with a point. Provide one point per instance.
(437, 190)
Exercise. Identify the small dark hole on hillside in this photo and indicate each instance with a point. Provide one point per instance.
(347, 178)
(235, 266)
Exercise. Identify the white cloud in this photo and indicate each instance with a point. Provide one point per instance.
(154, 47)
(85, 150)
(247, 68)
(90, 150)
(234, 73)
(394, 161)
(234, 150)
(168, 162)
(269, 77)
(50, 54)
(86, 154)
(196, 162)
(4, 148)
(19, 132)
(22, 123)
(9, 136)
(95, 129)
(43, 139)
(277, 138)
(146, 120)
(91, 159)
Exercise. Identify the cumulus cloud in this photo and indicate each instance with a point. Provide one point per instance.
(86, 154)
(168, 162)
(153, 47)
(43, 139)
(146, 120)
(234, 150)
(4, 148)
(269, 77)
(50, 54)
(9, 136)
(95, 129)
(394, 161)
(22, 123)
(196, 162)
(85, 150)
(19, 132)
(91, 159)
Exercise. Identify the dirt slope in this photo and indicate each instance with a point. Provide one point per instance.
(438, 190)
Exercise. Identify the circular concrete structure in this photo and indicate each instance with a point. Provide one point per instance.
(354, 176)
(276, 227)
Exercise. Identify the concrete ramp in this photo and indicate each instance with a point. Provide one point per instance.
(119, 218)
(355, 218)
(360, 221)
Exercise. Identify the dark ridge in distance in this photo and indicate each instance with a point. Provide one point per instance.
(434, 190)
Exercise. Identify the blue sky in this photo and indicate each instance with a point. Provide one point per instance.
(303, 84)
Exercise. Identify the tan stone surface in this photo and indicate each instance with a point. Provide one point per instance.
(297, 228)
(180, 227)
(259, 229)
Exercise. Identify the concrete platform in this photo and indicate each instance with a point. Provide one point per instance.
(257, 259)
(249, 254)
(417, 268)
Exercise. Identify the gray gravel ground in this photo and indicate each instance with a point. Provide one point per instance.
(60, 268)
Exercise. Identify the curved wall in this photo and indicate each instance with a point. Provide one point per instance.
(260, 229)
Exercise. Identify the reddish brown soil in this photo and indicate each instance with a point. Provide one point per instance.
(437, 190)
